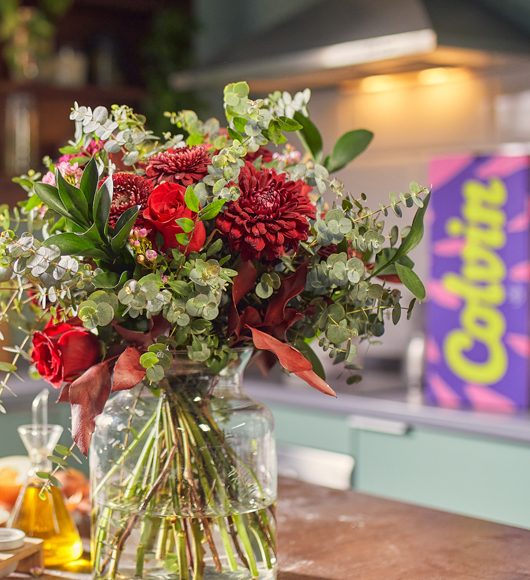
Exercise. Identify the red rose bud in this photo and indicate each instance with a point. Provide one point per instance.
(185, 166)
(62, 352)
(164, 206)
(270, 217)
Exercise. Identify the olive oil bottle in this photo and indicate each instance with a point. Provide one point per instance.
(43, 514)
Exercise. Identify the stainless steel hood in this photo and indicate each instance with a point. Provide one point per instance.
(336, 40)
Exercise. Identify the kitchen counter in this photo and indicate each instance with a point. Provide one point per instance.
(327, 534)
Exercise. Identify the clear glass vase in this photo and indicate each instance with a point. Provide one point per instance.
(184, 479)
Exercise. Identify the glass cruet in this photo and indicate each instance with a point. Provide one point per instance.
(44, 514)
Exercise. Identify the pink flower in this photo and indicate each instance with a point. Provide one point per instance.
(70, 171)
(49, 178)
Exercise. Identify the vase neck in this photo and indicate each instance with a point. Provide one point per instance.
(228, 382)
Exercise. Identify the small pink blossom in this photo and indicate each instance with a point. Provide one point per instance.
(290, 156)
(70, 171)
(49, 178)
(151, 255)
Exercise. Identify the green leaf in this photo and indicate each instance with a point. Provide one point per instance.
(63, 450)
(310, 136)
(148, 360)
(109, 280)
(411, 240)
(312, 357)
(6, 367)
(49, 195)
(215, 247)
(101, 206)
(182, 239)
(89, 181)
(123, 228)
(73, 200)
(410, 308)
(349, 146)
(58, 460)
(396, 313)
(72, 244)
(191, 200)
(48, 476)
(288, 124)
(211, 210)
(411, 281)
(186, 224)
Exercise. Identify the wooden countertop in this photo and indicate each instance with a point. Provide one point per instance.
(326, 534)
(329, 534)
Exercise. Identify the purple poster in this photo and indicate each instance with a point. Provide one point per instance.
(478, 326)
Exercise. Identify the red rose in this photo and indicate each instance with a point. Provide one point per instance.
(263, 152)
(185, 165)
(164, 206)
(270, 217)
(64, 351)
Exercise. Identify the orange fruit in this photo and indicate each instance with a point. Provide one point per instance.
(13, 472)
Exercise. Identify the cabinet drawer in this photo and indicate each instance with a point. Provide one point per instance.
(455, 472)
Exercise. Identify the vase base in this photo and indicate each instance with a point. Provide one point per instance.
(209, 573)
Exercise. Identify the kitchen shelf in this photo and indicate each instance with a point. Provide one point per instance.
(93, 93)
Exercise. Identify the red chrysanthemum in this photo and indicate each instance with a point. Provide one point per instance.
(184, 166)
(129, 190)
(270, 217)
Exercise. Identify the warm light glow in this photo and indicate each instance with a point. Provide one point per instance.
(378, 83)
(439, 75)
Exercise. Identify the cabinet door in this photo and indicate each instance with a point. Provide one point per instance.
(310, 428)
(475, 476)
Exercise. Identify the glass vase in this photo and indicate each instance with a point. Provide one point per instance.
(184, 479)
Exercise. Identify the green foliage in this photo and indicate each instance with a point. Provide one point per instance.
(347, 148)
(310, 136)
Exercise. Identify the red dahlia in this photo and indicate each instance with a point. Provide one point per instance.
(129, 189)
(185, 166)
(270, 217)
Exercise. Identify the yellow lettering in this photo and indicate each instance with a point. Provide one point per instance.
(480, 285)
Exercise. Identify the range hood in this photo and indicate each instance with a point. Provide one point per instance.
(336, 40)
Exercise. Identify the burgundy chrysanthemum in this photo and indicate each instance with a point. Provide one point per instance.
(270, 217)
(129, 189)
(185, 166)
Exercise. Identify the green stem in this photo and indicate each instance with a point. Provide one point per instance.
(232, 562)
(125, 454)
(245, 540)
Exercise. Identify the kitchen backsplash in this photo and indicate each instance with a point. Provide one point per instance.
(415, 119)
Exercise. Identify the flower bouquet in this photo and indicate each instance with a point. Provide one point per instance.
(150, 269)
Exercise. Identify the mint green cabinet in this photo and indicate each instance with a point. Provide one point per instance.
(460, 473)
(310, 428)
(468, 474)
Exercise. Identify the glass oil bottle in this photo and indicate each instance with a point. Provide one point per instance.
(43, 514)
